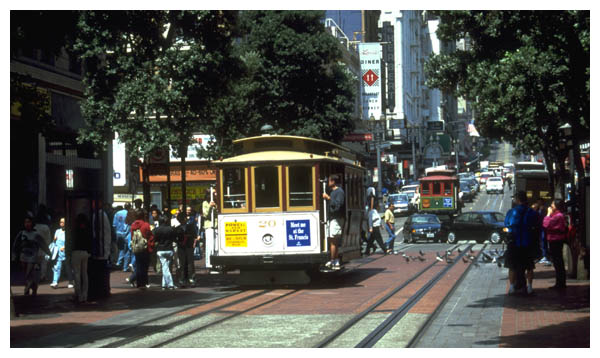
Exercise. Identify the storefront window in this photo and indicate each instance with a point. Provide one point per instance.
(234, 188)
(266, 187)
(301, 186)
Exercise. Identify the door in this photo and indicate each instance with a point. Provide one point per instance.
(461, 226)
(475, 227)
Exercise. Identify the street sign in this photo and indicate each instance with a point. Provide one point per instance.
(395, 124)
(370, 69)
(435, 126)
(385, 146)
(370, 77)
(358, 137)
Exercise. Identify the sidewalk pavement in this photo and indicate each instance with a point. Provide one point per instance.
(53, 310)
(480, 313)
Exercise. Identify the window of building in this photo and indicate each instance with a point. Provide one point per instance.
(266, 187)
(234, 188)
(300, 186)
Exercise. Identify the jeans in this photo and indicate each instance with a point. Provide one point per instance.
(373, 237)
(186, 264)
(165, 261)
(125, 257)
(392, 238)
(140, 275)
(556, 252)
(56, 269)
(545, 250)
(79, 262)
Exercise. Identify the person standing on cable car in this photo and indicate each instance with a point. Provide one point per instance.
(336, 215)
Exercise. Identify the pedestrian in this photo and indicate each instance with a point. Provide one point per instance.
(374, 234)
(142, 245)
(42, 226)
(121, 229)
(523, 234)
(154, 223)
(28, 248)
(555, 225)
(80, 252)
(58, 253)
(389, 227)
(164, 237)
(336, 217)
(129, 257)
(542, 210)
(185, 250)
(209, 212)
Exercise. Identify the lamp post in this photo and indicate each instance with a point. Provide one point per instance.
(567, 131)
(455, 142)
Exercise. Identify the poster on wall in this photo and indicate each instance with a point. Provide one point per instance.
(370, 68)
(119, 162)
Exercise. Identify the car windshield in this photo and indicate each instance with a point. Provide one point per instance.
(399, 197)
(425, 219)
(494, 179)
(410, 194)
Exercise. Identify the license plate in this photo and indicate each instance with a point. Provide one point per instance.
(430, 235)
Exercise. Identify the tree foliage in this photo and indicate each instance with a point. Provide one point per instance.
(526, 71)
(292, 79)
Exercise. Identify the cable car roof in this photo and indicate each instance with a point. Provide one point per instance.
(282, 156)
(438, 177)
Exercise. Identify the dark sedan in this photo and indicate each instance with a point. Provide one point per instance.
(422, 226)
(476, 225)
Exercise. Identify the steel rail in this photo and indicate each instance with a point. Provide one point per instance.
(213, 323)
(417, 337)
(390, 322)
(134, 338)
(323, 343)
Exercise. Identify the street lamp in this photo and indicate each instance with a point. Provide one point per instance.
(455, 142)
(567, 131)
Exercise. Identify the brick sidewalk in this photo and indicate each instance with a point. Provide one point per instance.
(53, 310)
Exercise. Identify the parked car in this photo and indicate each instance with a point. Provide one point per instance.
(494, 185)
(474, 184)
(484, 177)
(401, 203)
(422, 226)
(476, 225)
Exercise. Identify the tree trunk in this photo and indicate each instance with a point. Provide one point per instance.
(183, 154)
(577, 159)
(146, 183)
(548, 161)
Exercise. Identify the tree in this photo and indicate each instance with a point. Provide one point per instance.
(527, 73)
(292, 79)
(152, 76)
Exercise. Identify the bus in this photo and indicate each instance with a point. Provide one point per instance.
(271, 217)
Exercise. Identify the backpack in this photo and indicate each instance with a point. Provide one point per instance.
(139, 244)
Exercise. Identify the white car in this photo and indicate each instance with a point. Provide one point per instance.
(494, 185)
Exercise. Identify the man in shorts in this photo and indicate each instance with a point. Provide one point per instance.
(522, 224)
(336, 215)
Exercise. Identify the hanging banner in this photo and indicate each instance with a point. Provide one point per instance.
(370, 69)
(119, 162)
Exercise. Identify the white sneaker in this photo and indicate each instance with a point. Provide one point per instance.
(54, 285)
(529, 290)
(70, 285)
(511, 290)
(329, 264)
(336, 265)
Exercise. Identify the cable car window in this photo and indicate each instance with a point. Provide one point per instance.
(447, 188)
(266, 187)
(234, 188)
(301, 186)
(437, 188)
(425, 188)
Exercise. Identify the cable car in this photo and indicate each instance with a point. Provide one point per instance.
(439, 194)
(271, 217)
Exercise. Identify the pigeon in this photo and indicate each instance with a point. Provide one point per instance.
(404, 255)
(406, 258)
(499, 263)
(438, 257)
(421, 253)
(471, 257)
(421, 259)
(486, 256)
(448, 252)
(471, 250)
(465, 260)
(449, 260)
(459, 250)
(496, 252)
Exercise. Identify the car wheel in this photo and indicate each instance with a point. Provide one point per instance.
(451, 239)
(495, 238)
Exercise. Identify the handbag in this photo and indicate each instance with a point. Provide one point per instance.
(53, 250)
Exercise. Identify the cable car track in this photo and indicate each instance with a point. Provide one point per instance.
(323, 343)
(417, 337)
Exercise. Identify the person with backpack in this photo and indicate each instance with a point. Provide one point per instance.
(28, 249)
(142, 245)
(523, 237)
(164, 236)
(556, 226)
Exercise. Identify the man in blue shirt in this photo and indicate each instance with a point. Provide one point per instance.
(121, 229)
(522, 223)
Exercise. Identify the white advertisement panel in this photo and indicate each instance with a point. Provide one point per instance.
(370, 68)
(277, 233)
(119, 162)
(200, 141)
